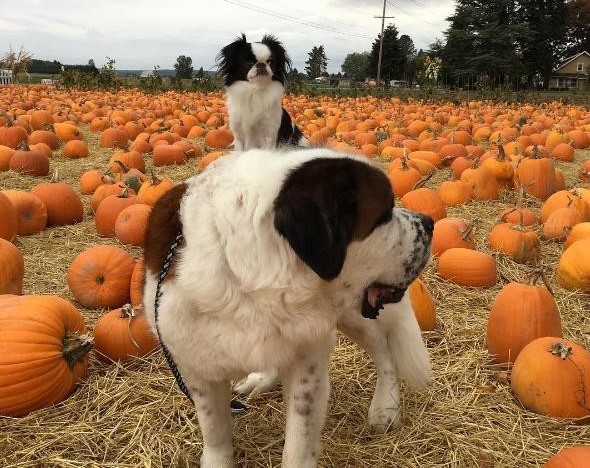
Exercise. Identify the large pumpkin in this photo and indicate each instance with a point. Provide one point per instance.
(520, 313)
(551, 376)
(31, 212)
(101, 276)
(123, 334)
(43, 352)
(423, 305)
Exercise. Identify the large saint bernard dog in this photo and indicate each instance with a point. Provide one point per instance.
(280, 249)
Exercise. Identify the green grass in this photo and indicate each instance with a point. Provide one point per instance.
(35, 78)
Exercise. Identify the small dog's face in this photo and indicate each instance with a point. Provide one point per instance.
(254, 62)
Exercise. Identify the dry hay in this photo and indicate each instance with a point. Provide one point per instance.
(135, 415)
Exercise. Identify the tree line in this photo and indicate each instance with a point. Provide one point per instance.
(488, 43)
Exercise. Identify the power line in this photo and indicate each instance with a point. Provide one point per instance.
(294, 19)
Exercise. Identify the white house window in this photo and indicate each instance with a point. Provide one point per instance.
(566, 83)
(580, 66)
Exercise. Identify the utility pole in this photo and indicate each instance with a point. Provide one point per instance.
(381, 42)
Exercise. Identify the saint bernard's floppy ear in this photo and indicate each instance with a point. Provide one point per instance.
(325, 204)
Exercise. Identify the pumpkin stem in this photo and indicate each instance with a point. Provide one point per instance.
(47, 126)
(127, 311)
(124, 168)
(536, 153)
(189, 153)
(24, 146)
(124, 193)
(9, 120)
(155, 180)
(54, 177)
(119, 145)
(468, 231)
(561, 350)
(538, 274)
(404, 160)
(422, 182)
(75, 347)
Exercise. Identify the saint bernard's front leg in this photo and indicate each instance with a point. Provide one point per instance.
(306, 387)
(214, 415)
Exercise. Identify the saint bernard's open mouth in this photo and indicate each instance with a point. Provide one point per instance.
(378, 294)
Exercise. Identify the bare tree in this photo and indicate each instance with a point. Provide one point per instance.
(18, 63)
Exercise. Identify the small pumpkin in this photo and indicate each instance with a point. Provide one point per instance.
(152, 189)
(136, 287)
(108, 211)
(131, 224)
(537, 175)
(75, 149)
(30, 210)
(45, 352)
(99, 277)
(9, 225)
(520, 243)
(467, 267)
(12, 268)
(451, 232)
(64, 206)
(573, 269)
(122, 335)
(423, 305)
(29, 161)
(219, 138)
(551, 376)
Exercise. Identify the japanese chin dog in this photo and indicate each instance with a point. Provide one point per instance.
(254, 75)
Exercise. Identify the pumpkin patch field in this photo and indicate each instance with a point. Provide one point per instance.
(504, 303)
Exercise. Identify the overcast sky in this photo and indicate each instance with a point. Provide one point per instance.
(140, 34)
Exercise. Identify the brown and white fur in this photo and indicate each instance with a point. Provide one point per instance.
(280, 251)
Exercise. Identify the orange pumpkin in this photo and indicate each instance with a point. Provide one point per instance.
(151, 190)
(515, 240)
(551, 376)
(108, 210)
(219, 138)
(426, 201)
(482, 182)
(455, 192)
(136, 287)
(12, 268)
(29, 161)
(573, 269)
(30, 210)
(100, 276)
(44, 136)
(131, 224)
(5, 156)
(537, 175)
(122, 335)
(9, 225)
(63, 204)
(579, 231)
(572, 457)
(402, 176)
(520, 313)
(111, 137)
(423, 305)
(75, 149)
(560, 223)
(451, 232)
(467, 267)
(45, 352)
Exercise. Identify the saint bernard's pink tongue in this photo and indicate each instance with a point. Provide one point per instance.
(378, 294)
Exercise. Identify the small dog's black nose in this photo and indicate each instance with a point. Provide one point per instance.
(260, 66)
(428, 223)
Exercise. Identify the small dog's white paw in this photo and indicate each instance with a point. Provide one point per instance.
(257, 382)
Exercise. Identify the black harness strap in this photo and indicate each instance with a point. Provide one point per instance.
(236, 406)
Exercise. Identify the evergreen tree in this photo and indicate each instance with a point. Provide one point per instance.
(578, 27)
(317, 63)
(393, 59)
(483, 42)
(184, 67)
(543, 47)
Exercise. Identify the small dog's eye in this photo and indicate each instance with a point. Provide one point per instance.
(269, 61)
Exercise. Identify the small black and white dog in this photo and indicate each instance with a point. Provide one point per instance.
(254, 75)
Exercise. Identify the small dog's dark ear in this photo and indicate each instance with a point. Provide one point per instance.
(316, 213)
(225, 55)
(281, 58)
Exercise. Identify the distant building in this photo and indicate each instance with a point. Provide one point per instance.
(572, 73)
(5, 77)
